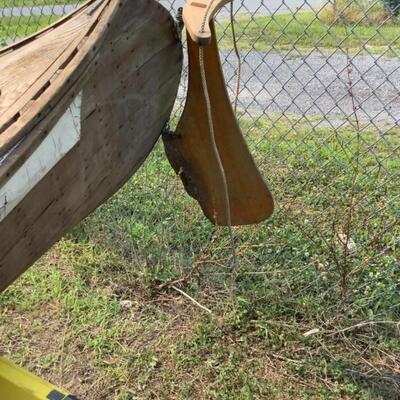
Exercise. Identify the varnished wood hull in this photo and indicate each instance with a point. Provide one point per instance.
(120, 68)
(192, 153)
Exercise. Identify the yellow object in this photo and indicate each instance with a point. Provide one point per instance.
(19, 384)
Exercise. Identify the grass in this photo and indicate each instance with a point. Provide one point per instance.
(65, 319)
(364, 12)
(30, 3)
(299, 34)
(20, 27)
(306, 31)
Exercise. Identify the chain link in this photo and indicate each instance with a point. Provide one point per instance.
(319, 102)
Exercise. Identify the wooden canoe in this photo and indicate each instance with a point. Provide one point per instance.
(82, 104)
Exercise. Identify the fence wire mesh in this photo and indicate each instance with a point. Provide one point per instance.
(319, 103)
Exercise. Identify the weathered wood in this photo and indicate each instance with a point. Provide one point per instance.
(42, 96)
(197, 15)
(191, 153)
(125, 59)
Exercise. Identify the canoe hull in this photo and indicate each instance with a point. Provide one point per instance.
(125, 96)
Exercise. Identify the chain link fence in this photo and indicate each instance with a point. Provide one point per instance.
(319, 103)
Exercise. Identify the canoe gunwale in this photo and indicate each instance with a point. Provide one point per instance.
(14, 46)
(55, 96)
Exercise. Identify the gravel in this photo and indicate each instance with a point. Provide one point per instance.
(317, 85)
(56, 9)
(309, 86)
(252, 6)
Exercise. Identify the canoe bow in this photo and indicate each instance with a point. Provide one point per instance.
(82, 104)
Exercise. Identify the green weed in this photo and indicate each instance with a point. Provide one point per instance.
(66, 318)
(306, 31)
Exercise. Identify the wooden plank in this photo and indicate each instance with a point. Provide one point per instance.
(197, 15)
(86, 6)
(24, 82)
(54, 100)
(25, 67)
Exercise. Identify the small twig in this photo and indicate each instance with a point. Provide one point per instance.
(286, 359)
(365, 323)
(192, 299)
(62, 350)
(201, 260)
(361, 354)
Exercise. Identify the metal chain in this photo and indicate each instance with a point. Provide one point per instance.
(203, 24)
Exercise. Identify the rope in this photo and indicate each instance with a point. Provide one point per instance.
(238, 61)
(211, 127)
(203, 23)
(217, 154)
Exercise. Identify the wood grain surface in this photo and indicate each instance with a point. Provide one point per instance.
(125, 58)
(197, 16)
(191, 153)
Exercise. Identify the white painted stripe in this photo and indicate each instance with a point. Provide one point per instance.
(62, 138)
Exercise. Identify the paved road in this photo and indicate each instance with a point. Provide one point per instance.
(313, 85)
(37, 10)
(263, 7)
(317, 86)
